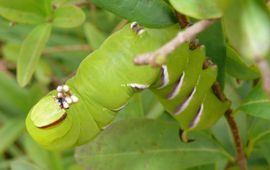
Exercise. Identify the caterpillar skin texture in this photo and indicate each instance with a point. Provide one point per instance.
(107, 79)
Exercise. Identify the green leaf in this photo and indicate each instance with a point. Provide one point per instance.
(258, 134)
(246, 33)
(264, 150)
(147, 144)
(199, 9)
(213, 39)
(44, 72)
(94, 36)
(14, 98)
(256, 103)
(23, 165)
(27, 11)
(30, 52)
(76, 167)
(134, 109)
(10, 132)
(44, 159)
(11, 52)
(152, 107)
(238, 67)
(68, 17)
(141, 11)
(222, 133)
(204, 167)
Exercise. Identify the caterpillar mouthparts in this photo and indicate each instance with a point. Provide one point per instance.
(65, 97)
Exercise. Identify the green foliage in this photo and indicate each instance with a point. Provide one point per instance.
(239, 67)
(30, 52)
(94, 36)
(27, 11)
(246, 33)
(36, 44)
(159, 150)
(204, 9)
(141, 11)
(256, 103)
(68, 17)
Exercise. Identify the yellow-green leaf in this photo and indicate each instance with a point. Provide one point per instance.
(10, 131)
(68, 17)
(26, 11)
(148, 144)
(200, 9)
(94, 36)
(247, 26)
(30, 52)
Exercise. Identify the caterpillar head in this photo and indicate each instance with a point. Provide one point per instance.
(50, 122)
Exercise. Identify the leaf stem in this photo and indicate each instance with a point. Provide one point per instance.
(180, 38)
(240, 155)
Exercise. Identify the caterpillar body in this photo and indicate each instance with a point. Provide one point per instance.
(106, 80)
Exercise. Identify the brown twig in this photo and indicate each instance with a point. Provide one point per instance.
(265, 72)
(5, 66)
(182, 37)
(120, 25)
(69, 48)
(182, 20)
(240, 155)
(81, 3)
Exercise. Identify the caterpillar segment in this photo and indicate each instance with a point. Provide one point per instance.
(75, 113)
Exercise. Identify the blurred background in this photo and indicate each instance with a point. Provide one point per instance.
(60, 58)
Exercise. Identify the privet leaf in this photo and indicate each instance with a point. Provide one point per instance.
(9, 132)
(200, 9)
(68, 16)
(42, 158)
(238, 67)
(147, 144)
(14, 99)
(246, 33)
(141, 11)
(44, 72)
(10, 52)
(258, 134)
(94, 36)
(23, 165)
(134, 109)
(256, 103)
(30, 52)
(213, 39)
(27, 11)
(263, 148)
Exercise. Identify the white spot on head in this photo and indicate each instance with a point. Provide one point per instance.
(65, 105)
(59, 88)
(65, 88)
(164, 77)
(59, 95)
(185, 104)
(68, 100)
(177, 88)
(74, 99)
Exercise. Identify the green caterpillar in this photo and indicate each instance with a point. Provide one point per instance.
(76, 112)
